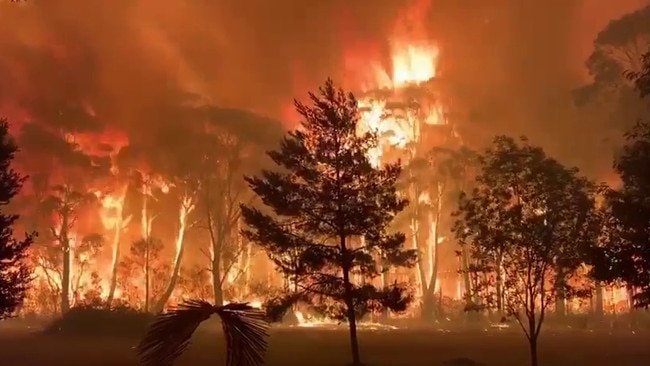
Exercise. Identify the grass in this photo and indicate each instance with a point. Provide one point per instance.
(318, 347)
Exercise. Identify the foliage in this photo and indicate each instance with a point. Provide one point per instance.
(641, 78)
(331, 212)
(98, 320)
(15, 275)
(528, 218)
(619, 46)
(243, 326)
(610, 102)
(625, 254)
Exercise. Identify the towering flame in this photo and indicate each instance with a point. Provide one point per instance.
(398, 103)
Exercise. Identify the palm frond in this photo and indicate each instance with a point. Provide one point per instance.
(170, 334)
(245, 329)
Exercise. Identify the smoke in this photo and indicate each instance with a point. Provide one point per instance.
(128, 61)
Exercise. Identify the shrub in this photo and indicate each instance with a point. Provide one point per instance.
(93, 320)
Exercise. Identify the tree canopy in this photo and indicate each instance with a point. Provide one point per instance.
(526, 223)
(15, 274)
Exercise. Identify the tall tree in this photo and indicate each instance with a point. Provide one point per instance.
(229, 139)
(609, 99)
(528, 216)
(331, 209)
(15, 274)
(625, 254)
(617, 48)
(63, 175)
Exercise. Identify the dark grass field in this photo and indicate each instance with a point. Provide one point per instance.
(316, 347)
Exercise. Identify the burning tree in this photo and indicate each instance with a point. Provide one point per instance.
(526, 224)
(64, 203)
(332, 209)
(64, 173)
(407, 107)
(15, 274)
(229, 139)
(186, 204)
(144, 262)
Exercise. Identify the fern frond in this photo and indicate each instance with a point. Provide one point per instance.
(246, 330)
(169, 335)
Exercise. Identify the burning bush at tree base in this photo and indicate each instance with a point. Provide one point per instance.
(95, 320)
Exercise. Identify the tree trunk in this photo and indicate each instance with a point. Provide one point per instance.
(217, 277)
(599, 308)
(466, 275)
(500, 280)
(186, 208)
(216, 240)
(560, 302)
(532, 342)
(115, 263)
(147, 275)
(349, 302)
(64, 241)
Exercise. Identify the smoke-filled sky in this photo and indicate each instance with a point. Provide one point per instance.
(126, 59)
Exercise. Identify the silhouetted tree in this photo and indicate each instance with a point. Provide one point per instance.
(625, 254)
(331, 211)
(609, 102)
(15, 274)
(617, 49)
(526, 224)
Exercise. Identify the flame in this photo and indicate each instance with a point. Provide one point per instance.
(414, 61)
(312, 322)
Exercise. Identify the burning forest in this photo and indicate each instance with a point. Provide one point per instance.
(153, 167)
(122, 221)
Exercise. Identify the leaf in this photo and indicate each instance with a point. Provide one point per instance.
(169, 336)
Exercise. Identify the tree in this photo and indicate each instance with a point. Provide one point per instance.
(527, 217)
(227, 143)
(617, 49)
(625, 254)
(145, 254)
(62, 175)
(641, 77)
(15, 274)
(64, 203)
(610, 97)
(331, 210)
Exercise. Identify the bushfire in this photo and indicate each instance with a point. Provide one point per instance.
(116, 249)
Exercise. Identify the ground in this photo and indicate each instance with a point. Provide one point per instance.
(314, 347)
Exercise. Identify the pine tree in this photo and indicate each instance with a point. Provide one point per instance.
(15, 274)
(331, 209)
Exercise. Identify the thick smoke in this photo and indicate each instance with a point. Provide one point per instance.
(128, 61)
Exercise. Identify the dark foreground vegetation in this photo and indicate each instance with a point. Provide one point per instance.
(314, 347)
